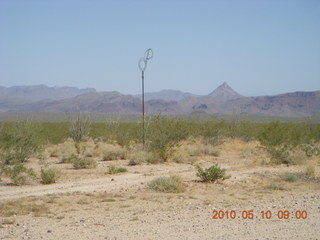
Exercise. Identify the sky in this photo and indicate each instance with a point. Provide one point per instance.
(259, 47)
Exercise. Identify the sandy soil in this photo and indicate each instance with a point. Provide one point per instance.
(88, 204)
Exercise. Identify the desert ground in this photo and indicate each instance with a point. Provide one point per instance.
(92, 204)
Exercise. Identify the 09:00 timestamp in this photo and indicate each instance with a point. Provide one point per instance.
(250, 214)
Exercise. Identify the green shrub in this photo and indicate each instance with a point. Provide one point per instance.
(123, 133)
(291, 177)
(84, 162)
(18, 142)
(50, 175)
(280, 154)
(69, 159)
(114, 170)
(311, 150)
(172, 184)
(140, 157)
(163, 134)
(211, 174)
(114, 153)
(20, 175)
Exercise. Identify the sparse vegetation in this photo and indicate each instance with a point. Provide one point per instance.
(182, 157)
(84, 162)
(50, 175)
(23, 206)
(79, 128)
(163, 134)
(201, 150)
(69, 159)
(140, 157)
(211, 174)
(18, 142)
(114, 170)
(275, 186)
(171, 184)
(114, 152)
(20, 175)
(310, 171)
(291, 177)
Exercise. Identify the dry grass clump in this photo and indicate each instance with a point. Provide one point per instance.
(238, 145)
(213, 141)
(114, 170)
(275, 186)
(196, 147)
(310, 170)
(24, 178)
(298, 157)
(183, 157)
(171, 184)
(84, 163)
(110, 152)
(140, 157)
(69, 158)
(53, 151)
(23, 206)
(7, 222)
(62, 149)
(20, 174)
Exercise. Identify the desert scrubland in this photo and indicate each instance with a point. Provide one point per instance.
(191, 180)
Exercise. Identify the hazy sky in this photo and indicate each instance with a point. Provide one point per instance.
(256, 46)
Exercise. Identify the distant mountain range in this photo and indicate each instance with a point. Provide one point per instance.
(167, 94)
(223, 100)
(41, 92)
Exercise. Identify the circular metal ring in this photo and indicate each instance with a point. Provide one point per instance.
(148, 54)
(142, 64)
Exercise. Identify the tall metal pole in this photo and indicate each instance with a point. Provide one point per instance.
(143, 66)
(143, 137)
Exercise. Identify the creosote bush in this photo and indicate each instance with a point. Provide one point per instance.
(84, 162)
(171, 184)
(280, 154)
(69, 159)
(140, 157)
(211, 174)
(114, 153)
(163, 134)
(49, 175)
(18, 142)
(20, 175)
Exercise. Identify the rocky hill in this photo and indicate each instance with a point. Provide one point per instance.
(223, 100)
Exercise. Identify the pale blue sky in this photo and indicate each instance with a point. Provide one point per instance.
(257, 46)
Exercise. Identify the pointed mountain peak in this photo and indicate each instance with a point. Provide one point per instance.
(224, 85)
(224, 91)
